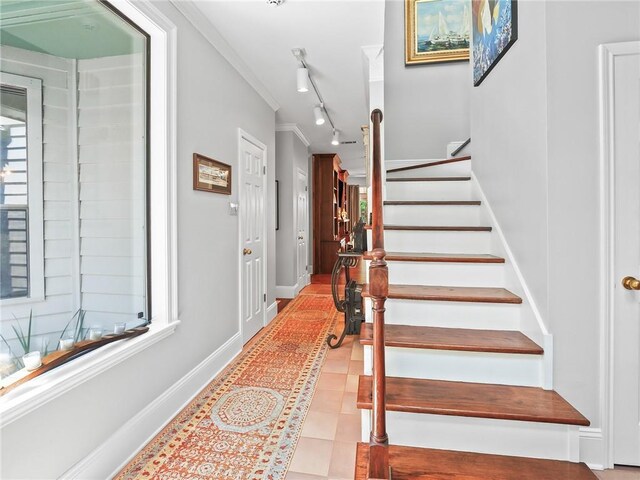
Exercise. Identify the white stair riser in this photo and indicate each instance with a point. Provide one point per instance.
(477, 367)
(457, 169)
(449, 274)
(436, 241)
(440, 190)
(459, 215)
(449, 314)
(482, 435)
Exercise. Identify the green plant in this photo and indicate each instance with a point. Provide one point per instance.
(78, 330)
(24, 339)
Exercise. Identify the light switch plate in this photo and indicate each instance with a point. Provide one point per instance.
(233, 208)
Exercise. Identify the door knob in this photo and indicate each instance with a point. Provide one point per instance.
(246, 251)
(631, 283)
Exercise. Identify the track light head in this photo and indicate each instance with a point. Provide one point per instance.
(336, 138)
(302, 78)
(317, 112)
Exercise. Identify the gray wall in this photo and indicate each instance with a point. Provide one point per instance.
(573, 143)
(508, 129)
(534, 123)
(425, 106)
(292, 155)
(212, 104)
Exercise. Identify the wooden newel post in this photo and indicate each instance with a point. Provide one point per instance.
(378, 291)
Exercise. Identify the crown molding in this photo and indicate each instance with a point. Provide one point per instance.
(201, 23)
(293, 127)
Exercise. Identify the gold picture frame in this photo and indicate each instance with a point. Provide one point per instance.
(210, 175)
(437, 31)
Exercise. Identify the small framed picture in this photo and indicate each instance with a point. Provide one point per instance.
(210, 175)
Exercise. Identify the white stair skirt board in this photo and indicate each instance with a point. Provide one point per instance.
(450, 314)
(436, 241)
(459, 215)
(476, 367)
(456, 169)
(110, 457)
(439, 190)
(531, 323)
(449, 274)
(484, 435)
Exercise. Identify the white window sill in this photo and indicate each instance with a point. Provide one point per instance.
(35, 393)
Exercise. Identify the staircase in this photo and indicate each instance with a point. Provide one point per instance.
(460, 361)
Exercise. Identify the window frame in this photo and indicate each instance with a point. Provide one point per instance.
(162, 194)
(35, 187)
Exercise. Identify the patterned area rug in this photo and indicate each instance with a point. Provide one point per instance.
(245, 424)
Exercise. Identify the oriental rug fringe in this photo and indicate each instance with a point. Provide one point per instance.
(245, 424)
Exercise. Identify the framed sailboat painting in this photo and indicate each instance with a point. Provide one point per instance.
(436, 30)
(495, 29)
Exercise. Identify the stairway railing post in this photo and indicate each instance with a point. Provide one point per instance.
(378, 290)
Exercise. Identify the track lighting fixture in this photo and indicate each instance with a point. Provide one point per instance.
(318, 113)
(303, 80)
(336, 138)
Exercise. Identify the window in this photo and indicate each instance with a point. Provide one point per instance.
(73, 200)
(21, 241)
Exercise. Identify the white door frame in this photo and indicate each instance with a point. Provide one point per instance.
(250, 138)
(607, 54)
(307, 278)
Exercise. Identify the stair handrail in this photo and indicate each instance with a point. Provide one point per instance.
(378, 468)
(461, 147)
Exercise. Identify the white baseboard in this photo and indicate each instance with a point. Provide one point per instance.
(592, 448)
(110, 457)
(272, 311)
(286, 291)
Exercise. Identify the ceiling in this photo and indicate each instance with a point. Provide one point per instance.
(90, 29)
(332, 32)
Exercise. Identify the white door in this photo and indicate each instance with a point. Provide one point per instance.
(252, 232)
(302, 227)
(625, 115)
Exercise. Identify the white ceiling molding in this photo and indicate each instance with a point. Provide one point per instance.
(193, 14)
(293, 127)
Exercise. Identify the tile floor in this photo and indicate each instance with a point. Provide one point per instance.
(327, 445)
(620, 473)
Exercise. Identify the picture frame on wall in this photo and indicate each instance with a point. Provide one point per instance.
(436, 31)
(495, 30)
(210, 175)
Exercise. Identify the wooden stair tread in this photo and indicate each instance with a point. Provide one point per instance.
(481, 400)
(438, 257)
(434, 228)
(433, 202)
(430, 164)
(430, 179)
(460, 339)
(449, 294)
(413, 463)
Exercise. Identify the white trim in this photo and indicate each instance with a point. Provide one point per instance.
(163, 154)
(607, 236)
(591, 445)
(200, 22)
(287, 291)
(272, 311)
(35, 186)
(293, 127)
(251, 139)
(59, 381)
(74, 147)
(510, 256)
(110, 457)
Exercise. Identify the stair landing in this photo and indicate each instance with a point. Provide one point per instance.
(411, 463)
